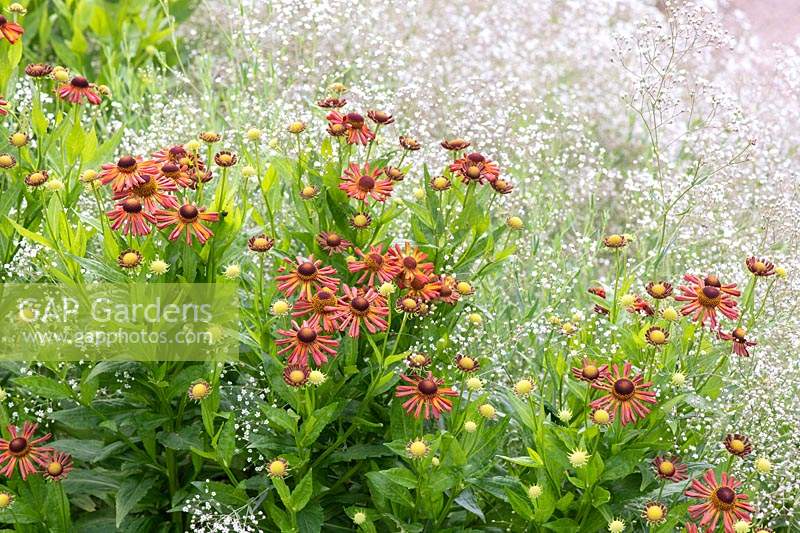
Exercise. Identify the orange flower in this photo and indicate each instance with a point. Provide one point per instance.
(127, 173)
(626, 394)
(425, 392)
(152, 193)
(304, 341)
(359, 307)
(411, 261)
(359, 183)
(187, 217)
(375, 263)
(475, 167)
(10, 31)
(308, 275)
(131, 217)
(706, 297)
(721, 498)
(23, 449)
(321, 307)
(351, 124)
(77, 89)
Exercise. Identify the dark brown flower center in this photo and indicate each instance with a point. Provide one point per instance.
(80, 82)
(188, 212)
(307, 269)
(725, 495)
(3, 20)
(712, 280)
(476, 157)
(355, 120)
(427, 387)
(711, 293)
(445, 292)
(324, 295)
(360, 304)
(18, 445)
(376, 260)
(132, 205)
(409, 262)
(177, 151)
(366, 183)
(126, 162)
(306, 335)
(624, 387)
(333, 240)
(170, 168)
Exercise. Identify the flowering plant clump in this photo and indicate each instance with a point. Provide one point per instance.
(487, 310)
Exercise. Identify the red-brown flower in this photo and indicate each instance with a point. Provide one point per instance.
(177, 174)
(130, 216)
(589, 371)
(354, 125)
(332, 242)
(359, 183)
(375, 264)
(475, 167)
(23, 449)
(304, 341)
(721, 499)
(307, 276)
(188, 218)
(659, 290)
(448, 292)
(412, 263)
(706, 297)
(425, 392)
(153, 193)
(760, 267)
(737, 444)
(296, 375)
(740, 343)
(126, 173)
(424, 289)
(11, 31)
(58, 466)
(670, 468)
(77, 90)
(625, 394)
(597, 291)
(321, 307)
(358, 307)
(640, 305)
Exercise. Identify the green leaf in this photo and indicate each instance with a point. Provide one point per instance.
(314, 425)
(45, 387)
(523, 461)
(130, 492)
(385, 485)
(520, 504)
(282, 418)
(226, 440)
(283, 491)
(302, 492)
(28, 234)
(75, 140)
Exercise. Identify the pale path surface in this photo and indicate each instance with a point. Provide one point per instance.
(773, 20)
